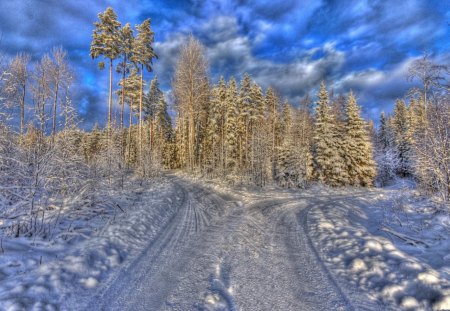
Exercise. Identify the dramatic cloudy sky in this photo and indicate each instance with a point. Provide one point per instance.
(363, 45)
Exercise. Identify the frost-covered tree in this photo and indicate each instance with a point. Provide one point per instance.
(258, 128)
(231, 130)
(358, 152)
(386, 156)
(61, 80)
(215, 135)
(41, 90)
(272, 104)
(151, 99)
(245, 110)
(430, 126)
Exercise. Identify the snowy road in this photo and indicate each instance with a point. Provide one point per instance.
(224, 252)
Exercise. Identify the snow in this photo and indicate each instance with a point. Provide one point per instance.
(391, 244)
(27, 284)
(183, 243)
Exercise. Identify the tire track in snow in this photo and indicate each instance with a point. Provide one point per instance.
(153, 275)
(356, 302)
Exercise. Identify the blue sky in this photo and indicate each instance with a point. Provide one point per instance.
(291, 45)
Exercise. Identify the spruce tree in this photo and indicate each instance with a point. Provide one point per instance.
(403, 138)
(386, 152)
(358, 155)
(151, 99)
(329, 164)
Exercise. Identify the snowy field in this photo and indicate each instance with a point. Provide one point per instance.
(182, 244)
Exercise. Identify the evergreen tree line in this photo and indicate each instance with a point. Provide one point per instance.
(232, 130)
(238, 131)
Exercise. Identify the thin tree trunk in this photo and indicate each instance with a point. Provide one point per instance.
(122, 99)
(122, 110)
(129, 135)
(55, 101)
(110, 97)
(140, 112)
(22, 111)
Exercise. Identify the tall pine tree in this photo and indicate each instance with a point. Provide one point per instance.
(104, 43)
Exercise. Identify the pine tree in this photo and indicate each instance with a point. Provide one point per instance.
(125, 43)
(130, 92)
(104, 43)
(358, 155)
(329, 164)
(143, 55)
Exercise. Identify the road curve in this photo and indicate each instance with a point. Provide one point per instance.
(218, 253)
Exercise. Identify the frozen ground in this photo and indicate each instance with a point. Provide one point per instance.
(182, 244)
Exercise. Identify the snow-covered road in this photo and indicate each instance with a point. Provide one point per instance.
(182, 244)
(224, 252)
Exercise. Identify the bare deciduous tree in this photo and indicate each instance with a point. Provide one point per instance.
(16, 84)
(191, 90)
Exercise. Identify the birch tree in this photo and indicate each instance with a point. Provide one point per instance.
(16, 84)
(191, 91)
(61, 79)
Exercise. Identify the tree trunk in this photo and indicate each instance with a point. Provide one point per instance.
(129, 135)
(110, 96)
(140, 112)
(55, 101)
(22, 111)
(122, 99)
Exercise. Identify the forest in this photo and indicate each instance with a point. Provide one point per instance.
(229, 130)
